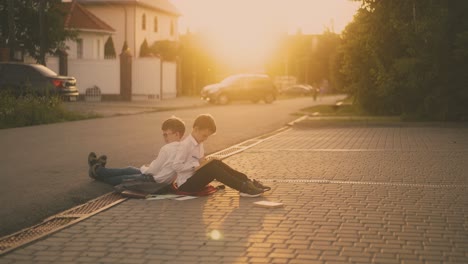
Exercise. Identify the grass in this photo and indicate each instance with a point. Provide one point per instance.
(331, 110)
(343, 110)
(30, 110)
(343, 107)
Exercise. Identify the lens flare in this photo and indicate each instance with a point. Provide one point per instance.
(215, 235)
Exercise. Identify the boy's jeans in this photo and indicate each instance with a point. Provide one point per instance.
(215, 170)
(115, 176)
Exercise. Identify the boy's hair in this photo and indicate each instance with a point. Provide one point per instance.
(205, 121)
(175, 124)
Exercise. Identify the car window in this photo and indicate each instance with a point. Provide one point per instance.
(19, 74)
(32, 74)
(260, 83)
(233, 80)
(12, 73)
(230, 80)
(2, 74)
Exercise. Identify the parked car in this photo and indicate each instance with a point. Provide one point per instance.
(37, 79)
(253, 87)
(298, 90)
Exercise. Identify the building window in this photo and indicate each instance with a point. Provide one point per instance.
(143, 22)
(172, 27)
(98, 48)
(79, 48)
(155, 24)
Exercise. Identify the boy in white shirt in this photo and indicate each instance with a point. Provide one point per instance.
(194, 172)
(159, 171)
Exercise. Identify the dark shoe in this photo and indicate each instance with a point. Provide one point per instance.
(250, 190)
(90, 174)
(261, 186)
(92, 171)
(92, 159)
(102, 160)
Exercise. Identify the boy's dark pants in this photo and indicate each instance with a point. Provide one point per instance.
(215, 170)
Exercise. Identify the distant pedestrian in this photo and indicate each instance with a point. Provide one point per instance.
(315, 92)
(194, 171)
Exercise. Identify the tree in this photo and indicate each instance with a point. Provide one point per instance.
(27, 26)
(109, 49)
(306, 57)
(324, 47)
(144, 49)
(169, 50)
(403, 57)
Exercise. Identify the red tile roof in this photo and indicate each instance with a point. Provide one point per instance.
(159, 5)
(80, 18)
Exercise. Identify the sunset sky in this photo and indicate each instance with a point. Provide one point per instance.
(246, 31)
(312, 16)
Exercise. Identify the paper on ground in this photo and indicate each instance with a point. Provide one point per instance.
(169, 196)
(268, 204)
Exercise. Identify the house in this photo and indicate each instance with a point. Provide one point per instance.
(93, 32)
(135, 21)
(100, 22)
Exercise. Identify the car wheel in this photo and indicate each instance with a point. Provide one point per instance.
(223, 99)
(255, 100)
(269, 98)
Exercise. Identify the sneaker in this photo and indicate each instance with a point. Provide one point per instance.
(250, 195)
(92, 159)
(250, 190)
(261, 186)
(92, 171)
(102, 160)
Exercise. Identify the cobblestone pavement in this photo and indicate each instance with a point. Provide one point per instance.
(351, 194)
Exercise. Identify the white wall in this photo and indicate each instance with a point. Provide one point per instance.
(146, 79)
(52, 63)
(169, 80)
(146, 76)
(116, 15)
(93, 46)
(103, 73)
(164, 26)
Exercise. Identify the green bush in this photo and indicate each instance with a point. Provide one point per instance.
(29, 110)
(332, 110)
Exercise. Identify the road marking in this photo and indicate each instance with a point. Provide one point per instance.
(366, 183)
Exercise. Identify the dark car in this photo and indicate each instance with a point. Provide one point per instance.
(36, 79)
(253, 87)
(298, 90)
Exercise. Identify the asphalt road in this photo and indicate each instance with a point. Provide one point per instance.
(43, 169)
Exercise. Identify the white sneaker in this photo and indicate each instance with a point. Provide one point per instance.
(250, 195)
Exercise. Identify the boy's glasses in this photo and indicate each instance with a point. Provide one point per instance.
(165, 134)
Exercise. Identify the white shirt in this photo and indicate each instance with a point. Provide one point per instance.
(189, 153)
(161, 167)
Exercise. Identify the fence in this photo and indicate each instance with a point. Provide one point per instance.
(105, 74)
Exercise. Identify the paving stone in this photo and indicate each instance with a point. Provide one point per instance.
(395, 195)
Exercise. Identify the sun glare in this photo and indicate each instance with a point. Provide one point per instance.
(239, 32)
(246, 31)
